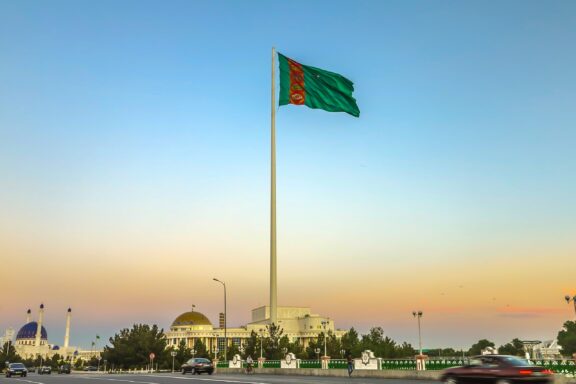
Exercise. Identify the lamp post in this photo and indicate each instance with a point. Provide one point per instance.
(225, 320)
(324, 324)
(261, 336)
(573, 299)
(418, 315)
(193, 351)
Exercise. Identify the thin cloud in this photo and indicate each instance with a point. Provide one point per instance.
(522, 312)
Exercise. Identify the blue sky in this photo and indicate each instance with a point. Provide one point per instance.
(139, 130)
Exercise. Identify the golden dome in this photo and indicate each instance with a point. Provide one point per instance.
(191, 318)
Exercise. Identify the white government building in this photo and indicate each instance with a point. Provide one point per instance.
(297, 323)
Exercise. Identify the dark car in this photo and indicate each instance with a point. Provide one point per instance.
(44, 370)
(16, 369)
(498, 369)
(90, 368)
(197, 366)
(65, 368)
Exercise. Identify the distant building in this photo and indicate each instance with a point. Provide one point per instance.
(547, 350)
(32, 340)
(297, 323)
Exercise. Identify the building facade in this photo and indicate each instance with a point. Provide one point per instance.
(297, 323)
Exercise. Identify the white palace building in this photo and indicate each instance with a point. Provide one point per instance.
(297, 323)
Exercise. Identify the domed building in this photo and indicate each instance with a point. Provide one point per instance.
(27, 334)
(32, 340)
(191, 321)
(298, 323)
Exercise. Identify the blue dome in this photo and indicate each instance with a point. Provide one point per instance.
(55, 348)
(29, 331)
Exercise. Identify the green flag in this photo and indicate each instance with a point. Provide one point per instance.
(316, 88)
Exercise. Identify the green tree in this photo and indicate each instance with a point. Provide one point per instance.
(252, 346)
(382, 346)
(404, 350)
(271, 343)
(334, 346)
(201, 349)
(183, 353)
(297, 349)
(131, 347)
(514, 348)
(567, 338)
(8, 353)
(351, 342)
(477, 348)
(313, 345)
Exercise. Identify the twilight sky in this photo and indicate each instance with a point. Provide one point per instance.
(134, 165)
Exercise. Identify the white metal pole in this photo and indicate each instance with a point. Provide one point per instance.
(419, 334)
(273, 282)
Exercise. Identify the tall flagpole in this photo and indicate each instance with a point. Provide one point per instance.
(273, 290)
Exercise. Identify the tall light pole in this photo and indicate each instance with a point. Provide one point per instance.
(573, 299)
(418, 315)
(225, 320)
(324, 324)
(261, 336)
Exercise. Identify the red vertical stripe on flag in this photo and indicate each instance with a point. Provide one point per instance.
(297, 90)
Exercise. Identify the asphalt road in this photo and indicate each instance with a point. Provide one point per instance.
(178, 378)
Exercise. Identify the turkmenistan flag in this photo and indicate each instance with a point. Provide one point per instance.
(304, 85)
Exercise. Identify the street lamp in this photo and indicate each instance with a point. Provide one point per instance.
(225, 320)
(418, 315)
(324, 324)
(573, 299)
(261, 336)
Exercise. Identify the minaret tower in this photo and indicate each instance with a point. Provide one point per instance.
(28, 316)
(67, 335)
(39, 329)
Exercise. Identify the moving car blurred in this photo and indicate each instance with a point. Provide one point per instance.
(90, 368)
(197, 366)
(16, 369)
(500, 369)
(44, 370)
(64, 368)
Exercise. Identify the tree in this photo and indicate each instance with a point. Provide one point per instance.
(9, 354)
(351, 342)
(131, 347)
(272, 342)
(201, 349)
(515, 348)
(183, 353)
(252, 346)
(567, 338)
(477, 348)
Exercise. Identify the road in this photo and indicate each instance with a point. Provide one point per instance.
(198, 379)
